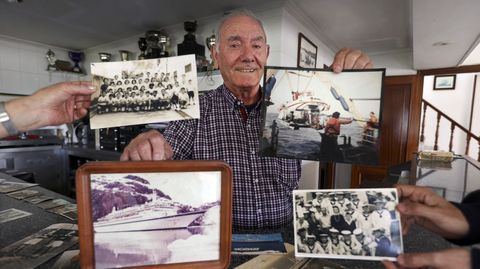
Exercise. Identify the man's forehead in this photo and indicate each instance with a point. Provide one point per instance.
(242, 26)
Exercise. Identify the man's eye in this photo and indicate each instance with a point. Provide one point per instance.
(234, 45)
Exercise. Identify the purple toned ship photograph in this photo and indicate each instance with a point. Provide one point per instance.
(320, 115)
(155, 218)
(358, 224)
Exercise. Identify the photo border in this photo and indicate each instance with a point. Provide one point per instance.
(85, 222)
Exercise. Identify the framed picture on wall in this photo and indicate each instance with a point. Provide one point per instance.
(169, 214)
(445, 82)
(307, 52)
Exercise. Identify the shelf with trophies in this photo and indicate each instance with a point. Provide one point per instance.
(55, 65)
(190, 46)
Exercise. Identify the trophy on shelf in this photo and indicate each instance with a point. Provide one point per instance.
(104, 57)
(164, 41)
(142, 45)
(190, 46)
(211, 41)
(76, 57)
(153, 44)
(51, 60)
(124, 55)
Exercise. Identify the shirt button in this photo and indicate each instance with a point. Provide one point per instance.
(253, 152)
(255, 181)
(259, 211)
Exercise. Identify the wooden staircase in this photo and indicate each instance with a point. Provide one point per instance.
(453, 126)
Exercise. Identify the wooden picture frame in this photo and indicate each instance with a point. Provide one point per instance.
(444, 82)
(307, 52)
(125, 202)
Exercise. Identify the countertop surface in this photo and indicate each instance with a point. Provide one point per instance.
(418, 239)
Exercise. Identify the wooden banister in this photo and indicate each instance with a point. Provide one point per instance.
(453, 125)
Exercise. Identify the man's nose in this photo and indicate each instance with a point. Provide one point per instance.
(247, 54)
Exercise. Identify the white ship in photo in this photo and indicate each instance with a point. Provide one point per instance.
(160, 214)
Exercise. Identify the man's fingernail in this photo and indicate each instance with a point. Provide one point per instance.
(92, 88)
(401, 207)
(337, 69)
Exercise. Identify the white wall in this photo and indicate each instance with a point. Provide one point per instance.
(397, 63)
(456, 104)
(23, 66)
(291, 27)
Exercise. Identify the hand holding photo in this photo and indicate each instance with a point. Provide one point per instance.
(357, 224)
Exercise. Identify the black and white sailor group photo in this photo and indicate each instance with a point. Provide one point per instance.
(346, 223)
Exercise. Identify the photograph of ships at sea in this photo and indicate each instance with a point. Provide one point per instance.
(153, 218)
(319, 115)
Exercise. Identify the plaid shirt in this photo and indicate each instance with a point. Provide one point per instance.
(262, 186)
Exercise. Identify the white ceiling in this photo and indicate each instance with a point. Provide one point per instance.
(374, 26)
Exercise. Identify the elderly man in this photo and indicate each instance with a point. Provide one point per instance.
(229, 124)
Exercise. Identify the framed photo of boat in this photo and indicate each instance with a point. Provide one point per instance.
(169, 214)
(316, 114)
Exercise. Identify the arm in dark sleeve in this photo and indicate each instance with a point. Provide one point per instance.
(471, 211)
(475, 258)
(181, 136)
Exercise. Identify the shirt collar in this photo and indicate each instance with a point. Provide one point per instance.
(233, 102)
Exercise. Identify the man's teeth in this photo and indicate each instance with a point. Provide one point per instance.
(247, 70)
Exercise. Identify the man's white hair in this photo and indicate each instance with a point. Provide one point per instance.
(236, 13)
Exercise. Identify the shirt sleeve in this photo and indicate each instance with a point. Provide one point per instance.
(475, 258)
(181, 136)
(471, 211)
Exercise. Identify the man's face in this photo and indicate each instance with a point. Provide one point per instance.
(324, 211)
(359, 237)
(242, 53)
